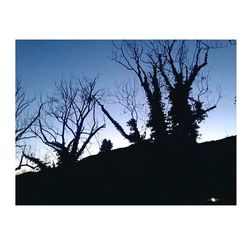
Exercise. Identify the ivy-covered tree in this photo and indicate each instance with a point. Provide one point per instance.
(168, 70)
(133, 56)
(179, 74)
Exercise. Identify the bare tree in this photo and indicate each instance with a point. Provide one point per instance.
(24, 124)
(68, 122)
(125, 94)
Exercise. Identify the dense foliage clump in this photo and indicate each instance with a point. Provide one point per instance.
(106, 145)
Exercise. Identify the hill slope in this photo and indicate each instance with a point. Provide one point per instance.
(139, 174)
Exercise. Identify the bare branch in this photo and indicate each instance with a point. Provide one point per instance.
(23, 121)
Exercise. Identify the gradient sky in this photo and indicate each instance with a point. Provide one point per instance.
(39, 63)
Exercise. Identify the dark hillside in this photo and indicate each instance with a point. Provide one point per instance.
(145, 173)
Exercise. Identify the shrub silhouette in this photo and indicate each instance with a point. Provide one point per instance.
(107, 145)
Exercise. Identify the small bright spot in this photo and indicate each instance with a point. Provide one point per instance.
(212, 199)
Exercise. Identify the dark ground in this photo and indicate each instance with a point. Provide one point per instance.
(142, 174)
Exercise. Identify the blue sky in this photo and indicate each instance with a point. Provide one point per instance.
(39, 63)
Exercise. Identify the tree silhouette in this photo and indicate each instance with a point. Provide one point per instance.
(63, 125)
(131, 55)
(170, 69)
(134, 136)
(125, 94)
(179, 75)
(24, 123)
